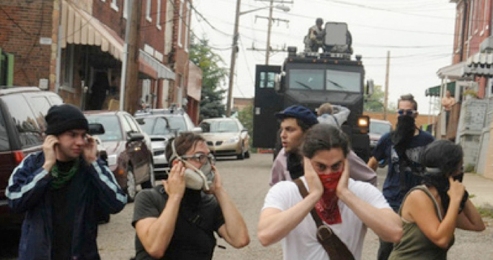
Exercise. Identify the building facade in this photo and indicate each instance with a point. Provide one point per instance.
(76, 49)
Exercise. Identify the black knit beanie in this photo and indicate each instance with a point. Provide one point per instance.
(65, 117)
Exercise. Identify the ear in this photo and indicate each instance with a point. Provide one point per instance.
(174, 162)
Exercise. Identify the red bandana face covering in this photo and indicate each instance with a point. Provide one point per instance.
(327, 207)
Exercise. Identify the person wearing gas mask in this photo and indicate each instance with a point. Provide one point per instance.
(401, 150)
(177, 220)
(325, 213)
(430, 212)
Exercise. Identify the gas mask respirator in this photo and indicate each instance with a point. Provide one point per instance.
(195, 179)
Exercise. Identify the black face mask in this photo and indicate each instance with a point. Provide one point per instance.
(402, 135)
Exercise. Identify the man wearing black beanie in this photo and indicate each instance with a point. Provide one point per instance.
(61, 190)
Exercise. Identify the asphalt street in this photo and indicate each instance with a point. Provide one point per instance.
(247, 183)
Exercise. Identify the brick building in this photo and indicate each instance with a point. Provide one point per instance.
(63, 45)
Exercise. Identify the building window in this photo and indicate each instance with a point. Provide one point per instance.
(485, 15)
(180, 22)
(187, 26)
(148, 10)
(158, 14)
(459, 25)
(471, 20)
(114, 5)
(68, 65)
(125, 8)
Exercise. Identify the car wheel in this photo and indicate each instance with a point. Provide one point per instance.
(131, 187)
(247, 154)
(152, 178)
(241, 156)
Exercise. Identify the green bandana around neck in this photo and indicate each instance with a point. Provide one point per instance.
(61, 177)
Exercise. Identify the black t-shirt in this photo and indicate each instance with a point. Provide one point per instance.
(64, 201)
(194, 231)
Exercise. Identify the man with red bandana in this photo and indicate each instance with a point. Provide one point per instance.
(295, 121)
(347, 206)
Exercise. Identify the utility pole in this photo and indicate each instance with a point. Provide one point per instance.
(234, 50)
(269, 27)
(386, 93)
(132, 69)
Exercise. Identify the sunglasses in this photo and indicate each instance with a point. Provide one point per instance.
(201, 158)
(406, 112)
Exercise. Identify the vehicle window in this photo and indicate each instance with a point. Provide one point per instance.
(55, 100)
(380, 128)
(343, 81)
(40, 105)
(30, 134)
(155, 126)
(220, 127)
(177, 123)
(112, 131)
(4, 139)
(267, 79)
(306, 79)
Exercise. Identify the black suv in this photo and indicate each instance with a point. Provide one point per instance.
(22, 124)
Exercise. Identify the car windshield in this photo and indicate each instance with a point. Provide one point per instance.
(219, 127)
(155, 126)
(111, 124)
(380, 128)
(177, 123)
(329, 80)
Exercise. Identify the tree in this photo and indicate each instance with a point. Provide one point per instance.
(374, 103)
(246, 118)
(211, 103)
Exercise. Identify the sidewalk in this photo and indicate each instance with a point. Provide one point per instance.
(480, 188)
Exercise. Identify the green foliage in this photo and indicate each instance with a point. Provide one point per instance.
(246, 118)
(211, 103)
(374, 103)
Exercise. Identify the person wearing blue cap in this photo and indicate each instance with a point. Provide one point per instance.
(295, 121)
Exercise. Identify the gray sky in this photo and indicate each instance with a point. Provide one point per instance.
(418, 33)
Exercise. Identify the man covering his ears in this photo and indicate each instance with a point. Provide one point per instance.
(178, 219)
(62, 189)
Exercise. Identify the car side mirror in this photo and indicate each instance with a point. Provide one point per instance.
(140, 121)
(370, 87)
(133, 136)
(95, 129)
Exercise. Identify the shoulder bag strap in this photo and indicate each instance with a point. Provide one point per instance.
(336, 249)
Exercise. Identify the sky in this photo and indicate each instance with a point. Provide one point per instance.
(418, 34)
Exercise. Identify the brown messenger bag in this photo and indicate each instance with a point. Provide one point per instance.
(336, 249)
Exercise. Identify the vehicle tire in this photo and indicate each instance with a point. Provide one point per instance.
(131, 188)
(247, 154)
(152, 178)
(241, 155)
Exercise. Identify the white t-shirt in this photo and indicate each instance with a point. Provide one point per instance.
(301, 242)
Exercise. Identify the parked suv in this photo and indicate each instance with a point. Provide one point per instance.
(161, 125)
(22, 124)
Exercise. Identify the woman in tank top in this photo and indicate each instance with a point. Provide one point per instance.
(431, 212)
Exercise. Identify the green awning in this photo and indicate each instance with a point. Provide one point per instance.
(435, 91)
